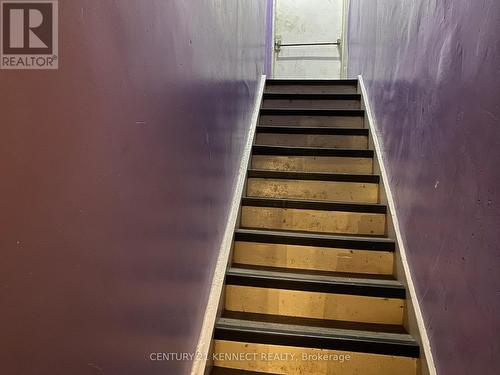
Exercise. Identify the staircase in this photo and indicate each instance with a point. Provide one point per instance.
(311, 288)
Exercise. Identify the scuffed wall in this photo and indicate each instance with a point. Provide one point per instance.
(116, 174)
(433, 75)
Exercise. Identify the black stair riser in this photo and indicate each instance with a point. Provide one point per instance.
(299, 239)
(311, 130)
(315, 205)
(309, 151)
(306, 176)
(286, 96)
(313, 323)
(316, 341)
(311, 82)
(316, 286)
(311, 112)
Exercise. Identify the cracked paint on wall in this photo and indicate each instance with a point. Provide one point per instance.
(117, 173)
(433, 74)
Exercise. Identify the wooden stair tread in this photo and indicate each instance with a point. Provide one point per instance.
(312, 282)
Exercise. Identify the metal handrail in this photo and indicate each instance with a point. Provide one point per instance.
(309, 44)
(278, 44)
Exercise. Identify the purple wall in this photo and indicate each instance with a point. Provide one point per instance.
(433, 75)
(116, 175)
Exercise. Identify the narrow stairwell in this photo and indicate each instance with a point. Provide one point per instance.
(310, 289)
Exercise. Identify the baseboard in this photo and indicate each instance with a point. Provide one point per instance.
(415, 321)
(211, 312)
